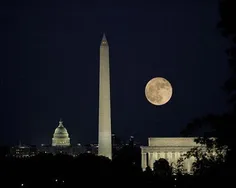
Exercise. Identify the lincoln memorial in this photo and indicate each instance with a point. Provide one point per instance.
(170, 148)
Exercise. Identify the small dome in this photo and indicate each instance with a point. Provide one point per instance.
(60, 136)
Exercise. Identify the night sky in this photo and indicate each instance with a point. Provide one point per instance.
(50, 63)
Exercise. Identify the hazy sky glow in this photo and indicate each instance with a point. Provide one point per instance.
(50, 60)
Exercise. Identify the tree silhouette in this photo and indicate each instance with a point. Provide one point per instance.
(227, 26)
(221, 127)
(162, 173)
(162, 168)
(128, 157)
(178, 168)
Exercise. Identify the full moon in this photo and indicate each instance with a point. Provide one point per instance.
(158, 91)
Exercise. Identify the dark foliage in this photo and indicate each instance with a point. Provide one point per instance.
(222, 127)
(227, 26)
(86, 169)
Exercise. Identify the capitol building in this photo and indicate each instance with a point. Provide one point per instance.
(61, 137)
(61, 144)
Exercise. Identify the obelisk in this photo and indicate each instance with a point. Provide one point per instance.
(104, 135)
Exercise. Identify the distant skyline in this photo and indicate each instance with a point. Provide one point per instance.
(50, 60)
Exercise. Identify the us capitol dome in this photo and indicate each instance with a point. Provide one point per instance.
(60, 136)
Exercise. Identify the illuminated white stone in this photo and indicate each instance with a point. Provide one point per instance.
(60, 136)
(104, 135)
(170, 149)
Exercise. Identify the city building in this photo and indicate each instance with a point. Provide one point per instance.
(91, 148)
(170, 149)
(60, 136)
(61, 143)
(22, 151)
(117, 143)
(73, 150)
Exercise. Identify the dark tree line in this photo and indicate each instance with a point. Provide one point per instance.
(85, 170)
(221, 127)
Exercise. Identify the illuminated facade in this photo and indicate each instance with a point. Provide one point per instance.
(104, 130)
(22, 151)
(168, 148)
(74, 150)
(60, 136)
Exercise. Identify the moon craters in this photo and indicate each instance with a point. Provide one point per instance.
(158, 91)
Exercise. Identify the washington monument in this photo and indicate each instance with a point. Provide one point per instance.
(104, 132)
